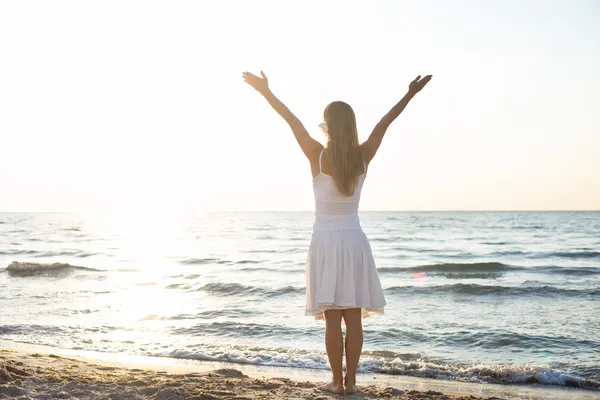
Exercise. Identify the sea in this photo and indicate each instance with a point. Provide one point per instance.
(490, 297)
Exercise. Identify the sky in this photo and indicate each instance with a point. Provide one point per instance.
(141, 105)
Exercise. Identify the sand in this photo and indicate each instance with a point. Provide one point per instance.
(26, 375)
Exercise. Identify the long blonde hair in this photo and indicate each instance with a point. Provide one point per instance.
(343, 149)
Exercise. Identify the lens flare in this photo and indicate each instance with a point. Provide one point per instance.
(420, 277)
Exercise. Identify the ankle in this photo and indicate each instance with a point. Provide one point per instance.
(350, 379)
(337, 381)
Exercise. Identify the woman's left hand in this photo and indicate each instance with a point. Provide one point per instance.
(260, 84)
(418, 84)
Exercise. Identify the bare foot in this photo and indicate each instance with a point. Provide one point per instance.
(332, 387)
(350, 386)
(351, 389)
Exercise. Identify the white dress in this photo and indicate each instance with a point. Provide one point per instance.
(340, 269)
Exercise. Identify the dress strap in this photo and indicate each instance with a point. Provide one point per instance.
(321, 161)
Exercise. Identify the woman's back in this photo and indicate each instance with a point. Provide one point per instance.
(333, 210)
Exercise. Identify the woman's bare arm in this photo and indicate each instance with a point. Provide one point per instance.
(309, 146)
(371, 145)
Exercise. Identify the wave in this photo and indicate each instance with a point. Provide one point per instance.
(575, 254)
(486, 270)
(388, 239)
(456, 270)
(184, 276)
(390, 363)
(544, 255)
(265, 269)
(570, 270)
(235, 289)
(495, 339)
(203, 315)
(377, 361)
(227, 289)
(472, 275)
(73, 253)
(264, 237)
(182, 286)
(464, 267)
(17, 252)
(234, 329)
(194, 261)
(40, 254)
(200, 261)
(499, 374)
(484, 290)
(460, 338)
(527, 227)
(39, 329)
(30, 268)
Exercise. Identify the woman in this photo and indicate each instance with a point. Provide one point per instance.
(341, 277)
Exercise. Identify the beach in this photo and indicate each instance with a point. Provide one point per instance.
(47, 376)
(38, 372)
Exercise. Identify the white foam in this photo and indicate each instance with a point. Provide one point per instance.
(481, 373)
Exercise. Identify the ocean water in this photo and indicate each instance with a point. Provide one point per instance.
(502, 297)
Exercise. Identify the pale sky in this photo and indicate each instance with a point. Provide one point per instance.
(118, 104)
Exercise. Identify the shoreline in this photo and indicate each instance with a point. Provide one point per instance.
(49, 369)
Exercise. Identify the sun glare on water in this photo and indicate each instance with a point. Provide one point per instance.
(146, 242)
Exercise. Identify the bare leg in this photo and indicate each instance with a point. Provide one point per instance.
(354, 343)
(335, 350)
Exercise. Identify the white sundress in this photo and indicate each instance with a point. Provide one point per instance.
(340, 269)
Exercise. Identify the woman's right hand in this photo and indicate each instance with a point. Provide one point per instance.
(260, 84)
(418, 84)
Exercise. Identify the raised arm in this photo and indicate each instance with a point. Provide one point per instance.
(371, 145)
(309, 146)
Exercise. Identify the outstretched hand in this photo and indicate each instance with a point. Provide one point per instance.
(260, 84)
(418, 84)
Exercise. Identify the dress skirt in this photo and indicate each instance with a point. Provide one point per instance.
(341, 274)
